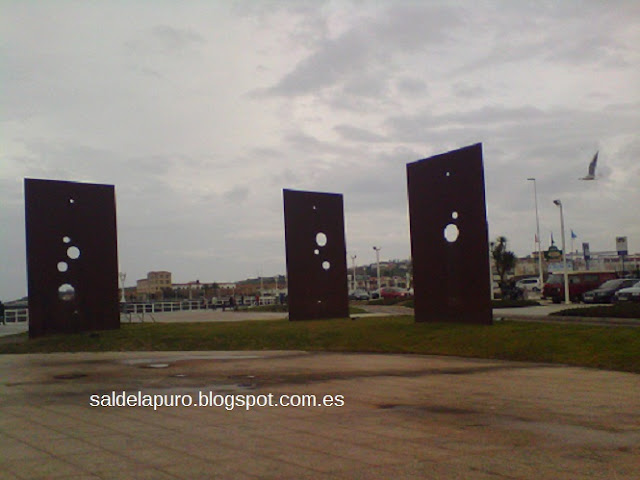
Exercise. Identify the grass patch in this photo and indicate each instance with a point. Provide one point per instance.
(285, 308)
(614, 348)
(618, 310)
(389, 301)
(513, 303)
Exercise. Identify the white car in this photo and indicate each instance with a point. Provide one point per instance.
(531, 284)
(631, 294)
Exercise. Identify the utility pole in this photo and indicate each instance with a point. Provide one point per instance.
(377, 249)
(564, 255)
(353, 260)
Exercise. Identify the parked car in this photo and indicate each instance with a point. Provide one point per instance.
(359, 295)
(393, 292)
(605, 292)
(631, 294)
(531, 284)
(579, 283)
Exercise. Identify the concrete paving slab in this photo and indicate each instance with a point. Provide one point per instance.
(404, 416)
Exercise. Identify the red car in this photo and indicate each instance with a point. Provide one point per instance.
(393, 292)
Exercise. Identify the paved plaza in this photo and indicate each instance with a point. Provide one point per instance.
(404, 417)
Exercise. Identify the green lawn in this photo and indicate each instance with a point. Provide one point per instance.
(616, 348)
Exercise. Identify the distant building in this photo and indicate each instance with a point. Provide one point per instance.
(153, 284)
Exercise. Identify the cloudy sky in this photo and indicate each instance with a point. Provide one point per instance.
(201, 112)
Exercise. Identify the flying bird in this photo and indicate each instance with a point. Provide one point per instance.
(592, 169)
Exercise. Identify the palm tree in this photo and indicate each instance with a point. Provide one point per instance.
(503, 258)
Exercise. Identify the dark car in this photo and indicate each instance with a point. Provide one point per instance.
(605, 293)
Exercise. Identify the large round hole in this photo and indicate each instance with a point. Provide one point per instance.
(451, 233)
(321, 239)
(63, 266)
(66, 292)
(73, 252)
(326, 265)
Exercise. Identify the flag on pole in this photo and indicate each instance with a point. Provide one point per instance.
(573, 235)
(552, 242)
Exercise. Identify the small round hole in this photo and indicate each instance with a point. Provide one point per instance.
(66, 292)
(454, 215)
(314, 207)
(71, 200)
(448, 174)
(316, 252)
(73, 253)
(66, 239)
(321, 239)
(63, 266)
(451, 233)
(326, 265)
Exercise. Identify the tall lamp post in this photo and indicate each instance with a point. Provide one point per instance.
(123, 277)
(377, 249)
(353, 260)
(564, 254)
(535, 196)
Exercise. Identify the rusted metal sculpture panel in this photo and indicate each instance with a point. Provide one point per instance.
(449, 238)
(316, 255)
(72, 258)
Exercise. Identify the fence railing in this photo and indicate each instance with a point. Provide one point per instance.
(15, 315)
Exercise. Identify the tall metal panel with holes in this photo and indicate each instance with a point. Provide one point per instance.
(449, 244)
(72, 258)
(316, 255)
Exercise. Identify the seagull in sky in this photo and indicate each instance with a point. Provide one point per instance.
(592, 169)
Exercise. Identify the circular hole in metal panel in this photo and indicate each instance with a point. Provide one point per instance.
(73, 253)
(454, 215)
(63, 266)
(451, 233)
(321, 239)
(326, 265)
(66, 292)
(66, 239)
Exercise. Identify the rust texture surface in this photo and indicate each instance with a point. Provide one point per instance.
(72, 258)
(451, 278)
(316, 255)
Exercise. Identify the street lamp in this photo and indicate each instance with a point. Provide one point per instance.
(123, 277)
(535, 196)
(353, 259)
(564, 254)
(377, 249)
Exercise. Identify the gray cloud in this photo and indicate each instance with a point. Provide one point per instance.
(356, 134)
(407, 28)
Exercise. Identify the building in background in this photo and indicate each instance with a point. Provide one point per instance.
(154, 284)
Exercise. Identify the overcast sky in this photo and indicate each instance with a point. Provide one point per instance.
(201, 112)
